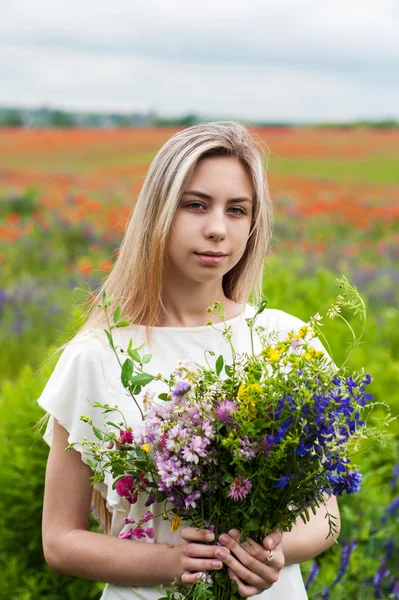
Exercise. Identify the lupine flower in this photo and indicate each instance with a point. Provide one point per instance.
(381, 574)
(346, 552)
(239, 488)
(395, 475)
(325, 594)
(394, 506)
(313, 574)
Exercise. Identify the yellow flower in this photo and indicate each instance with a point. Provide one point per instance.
(145, 448)
(175, 524)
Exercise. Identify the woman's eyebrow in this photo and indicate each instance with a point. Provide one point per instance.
(208, 197)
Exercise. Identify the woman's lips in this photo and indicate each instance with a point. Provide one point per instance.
(210, 259)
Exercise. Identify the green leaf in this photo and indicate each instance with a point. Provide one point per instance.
(134, 355)
(160, 496)
(109, 336)
(97, 433)
(117, 314)
(219, 365)
(142, 378)
(123, 324)
(147, 358)
(163, 396)
(229, 370)
(127, 372)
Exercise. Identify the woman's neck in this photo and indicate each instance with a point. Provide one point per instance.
(188, 308)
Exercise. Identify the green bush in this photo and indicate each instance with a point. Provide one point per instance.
(24, 573)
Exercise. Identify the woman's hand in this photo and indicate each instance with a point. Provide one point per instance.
(253, 566)
(197, 554)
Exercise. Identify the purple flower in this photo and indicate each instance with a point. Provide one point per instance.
(150, 499)
(381, 574)
(180, 389)
(395, 475)
(393, 507)
(247, 449)
(312, 575)
(224, 412)
(191, 500)
(346, 552)
(348, 482)
(239, 488)
(283, 481)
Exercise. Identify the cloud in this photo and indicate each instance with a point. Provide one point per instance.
(280, 58)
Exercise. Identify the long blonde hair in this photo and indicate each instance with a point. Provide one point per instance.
(135, 282)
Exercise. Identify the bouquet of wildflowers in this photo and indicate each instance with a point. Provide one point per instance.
(252, 445)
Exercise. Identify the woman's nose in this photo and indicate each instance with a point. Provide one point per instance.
(215, 227)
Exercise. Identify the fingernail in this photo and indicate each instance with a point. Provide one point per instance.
(221, 553)
(217, 565)
(209, 537)
(233, 533)
(270, 542)
(223, 539)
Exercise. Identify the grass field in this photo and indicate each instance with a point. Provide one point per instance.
(65, 197)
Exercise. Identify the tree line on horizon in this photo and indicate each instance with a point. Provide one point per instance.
(46, 117)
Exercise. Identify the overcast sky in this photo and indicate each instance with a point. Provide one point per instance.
(293, 60)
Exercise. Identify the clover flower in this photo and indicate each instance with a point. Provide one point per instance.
(240, 488)
(225, 411)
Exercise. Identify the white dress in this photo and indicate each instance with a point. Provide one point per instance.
(88, 371)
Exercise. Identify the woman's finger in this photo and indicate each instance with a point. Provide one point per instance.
(253, 570)
(244, 590)
(190, 577)
(194, 534)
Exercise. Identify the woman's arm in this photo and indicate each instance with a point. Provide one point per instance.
(71, 549)
(305, 541)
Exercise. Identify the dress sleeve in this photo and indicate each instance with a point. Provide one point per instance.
(79, 378)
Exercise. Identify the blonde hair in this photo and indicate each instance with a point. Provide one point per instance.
(135, 282)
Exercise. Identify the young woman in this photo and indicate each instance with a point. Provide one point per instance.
(199, 234)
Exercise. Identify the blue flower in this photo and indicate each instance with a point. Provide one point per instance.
(312, 575)
(283, 481)
(393, 507)
(395, 475)
(348, 482)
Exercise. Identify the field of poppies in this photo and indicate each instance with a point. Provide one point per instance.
(65, 197)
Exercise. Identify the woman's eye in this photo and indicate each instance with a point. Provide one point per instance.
(195, 205)
(238, 210)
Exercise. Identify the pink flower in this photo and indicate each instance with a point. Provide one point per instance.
(149, 531)
(239, 488)
(125, 436)
(125, 488)
(126, 535)
(148, 515)
(138, 533)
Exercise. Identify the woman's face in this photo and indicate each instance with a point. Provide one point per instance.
(211, 226)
